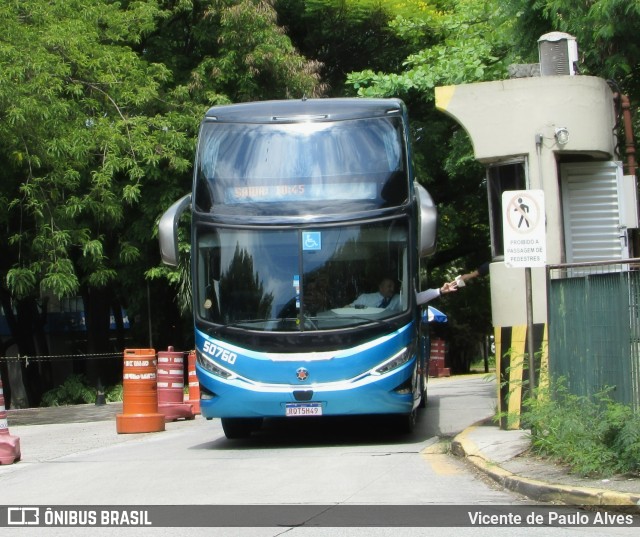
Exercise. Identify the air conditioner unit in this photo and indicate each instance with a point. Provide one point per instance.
(558, 54)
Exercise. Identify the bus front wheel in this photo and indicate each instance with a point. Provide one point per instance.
(240, 427)
(423, 391)
(406, 423)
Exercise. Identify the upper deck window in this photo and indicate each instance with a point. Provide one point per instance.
(301, 168)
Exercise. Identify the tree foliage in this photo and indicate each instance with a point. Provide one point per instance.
(457, 43)
(100, 103)
(606, 32)
(74, 138)
(94, 122)
(454, 42)
(343, 36)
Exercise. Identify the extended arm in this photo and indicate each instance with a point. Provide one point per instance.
(427, 296)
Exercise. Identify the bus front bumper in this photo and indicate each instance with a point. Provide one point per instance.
(392, 393)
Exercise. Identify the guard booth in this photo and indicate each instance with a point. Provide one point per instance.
(550, 130)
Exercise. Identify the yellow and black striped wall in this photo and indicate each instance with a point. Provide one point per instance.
(512, 369)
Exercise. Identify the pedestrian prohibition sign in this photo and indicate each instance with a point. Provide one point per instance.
(523, 228)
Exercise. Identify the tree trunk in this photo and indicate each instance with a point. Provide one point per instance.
(30, 380)
(97, 310)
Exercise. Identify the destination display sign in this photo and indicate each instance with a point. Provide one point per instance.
(301, 192)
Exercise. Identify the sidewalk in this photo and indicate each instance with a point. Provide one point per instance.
(504, 456)
(63, 414)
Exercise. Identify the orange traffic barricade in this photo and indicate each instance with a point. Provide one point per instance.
(171, 386)
(140, 393)
(193, 397)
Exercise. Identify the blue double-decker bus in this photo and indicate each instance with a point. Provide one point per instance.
(298, 208)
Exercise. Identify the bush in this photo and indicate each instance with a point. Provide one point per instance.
(594, 436)
(73, 391)
(113, 393)
(76, 390)
(478, 365)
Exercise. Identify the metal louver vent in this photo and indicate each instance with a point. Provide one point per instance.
(558, 54)
(591, 208)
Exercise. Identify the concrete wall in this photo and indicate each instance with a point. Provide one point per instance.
(518, 118)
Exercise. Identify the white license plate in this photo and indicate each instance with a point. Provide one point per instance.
(294, 410)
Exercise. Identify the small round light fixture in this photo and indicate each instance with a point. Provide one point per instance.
(562, 136)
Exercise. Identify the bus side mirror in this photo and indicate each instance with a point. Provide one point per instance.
(168, 231)
(427, 221)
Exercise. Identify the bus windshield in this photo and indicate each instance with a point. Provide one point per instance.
(301, 280)
(301, 168)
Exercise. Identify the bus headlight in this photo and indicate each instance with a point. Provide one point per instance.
(394, 362)
(213, 368)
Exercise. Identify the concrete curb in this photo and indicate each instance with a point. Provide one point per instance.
(463, 446)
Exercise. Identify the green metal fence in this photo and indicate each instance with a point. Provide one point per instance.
(594, 327)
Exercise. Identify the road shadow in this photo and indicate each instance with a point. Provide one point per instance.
(283, 433)
(450, 407)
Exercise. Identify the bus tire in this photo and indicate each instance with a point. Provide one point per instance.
(423, 392)
(240, 427)
(407, 422)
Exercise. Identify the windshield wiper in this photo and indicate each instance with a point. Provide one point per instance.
(366, 318)
(307, 323)
(238, 324)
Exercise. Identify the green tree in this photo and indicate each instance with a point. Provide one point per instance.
(343, 36)
(458, 43)
(97, 137)
(606, 32)
(222, 51)
(75, 149)
(453, 42)
(463, 41)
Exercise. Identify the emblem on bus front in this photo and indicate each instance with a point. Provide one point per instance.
(302, 374)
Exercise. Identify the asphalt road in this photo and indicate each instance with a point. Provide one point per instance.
(300, 462)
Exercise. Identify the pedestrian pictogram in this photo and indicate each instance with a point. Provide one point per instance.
(524, 228)
(523, 210)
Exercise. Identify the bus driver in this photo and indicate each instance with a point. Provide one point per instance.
(387, 298)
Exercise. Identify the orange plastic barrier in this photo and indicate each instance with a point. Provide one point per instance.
(9, 444)
(171, 386)
(194, 386)
(140, 393)
(437, 357)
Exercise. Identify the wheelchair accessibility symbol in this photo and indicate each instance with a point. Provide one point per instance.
(311, 240)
